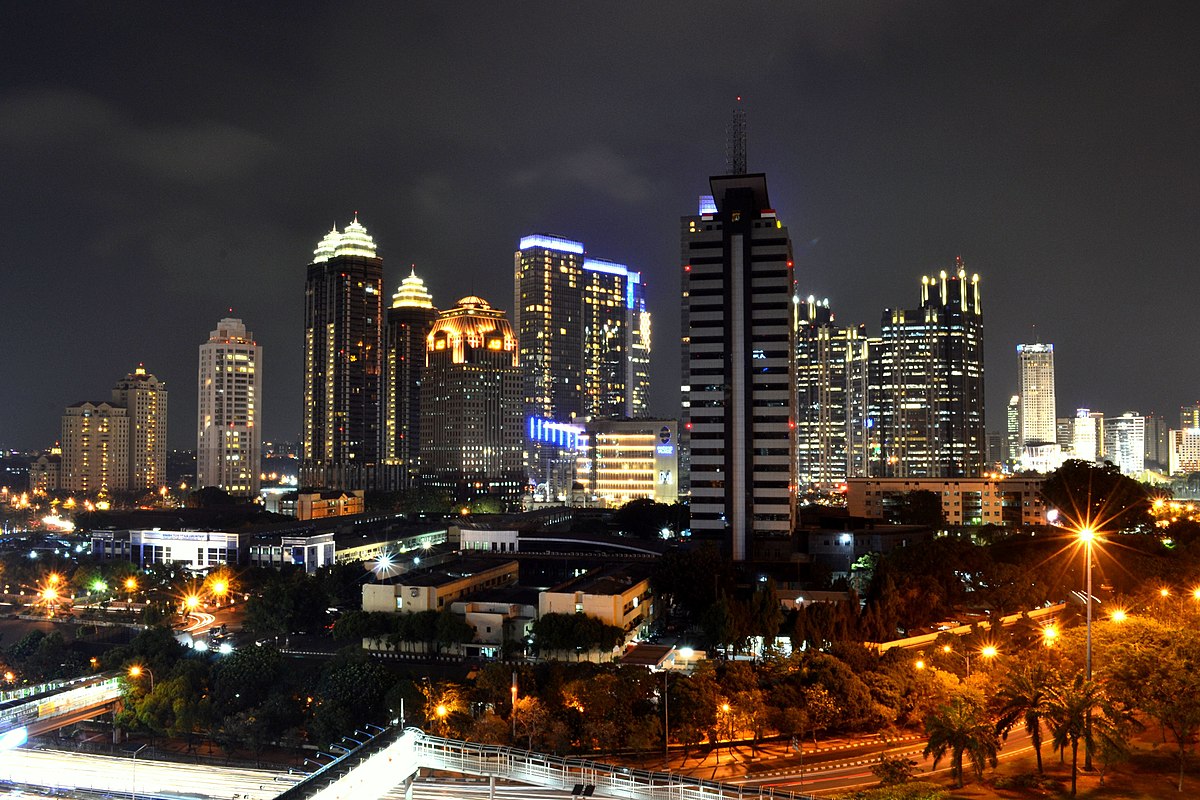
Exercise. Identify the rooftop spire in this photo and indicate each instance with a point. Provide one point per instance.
(735, 141)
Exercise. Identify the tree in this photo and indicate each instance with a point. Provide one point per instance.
(894, 770)
(1076, 712)
(1022, 697)
(958, 728)
(1097, 496)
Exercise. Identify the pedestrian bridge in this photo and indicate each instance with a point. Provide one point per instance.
(48, 706)
(393, 757)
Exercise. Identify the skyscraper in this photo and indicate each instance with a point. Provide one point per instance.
(1037, 411)
(343, 312)
(1157, 442)
(738, 365)
(1189, 416)
(1125, 442)
(1088, 440)
(471, 401)
(145, 397)
(825, 416)
(1012, 431)
(228, 434)
(95, 447)
(408, 323)
(583, 334)
(929, 382)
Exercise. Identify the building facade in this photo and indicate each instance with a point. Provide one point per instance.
(408, 323)
(343, 311)
(228, 432)
(1088, 435)
(95, 447)
(471, 426)
(831, 408)
(928, 379)
(1035, 364)
(1185, 451)
(966, 501)
(1125, 442)
(624, 460)
(145, 398)
(738, 365)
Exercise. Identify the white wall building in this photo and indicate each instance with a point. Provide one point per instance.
(228, 438)
(1125, 442)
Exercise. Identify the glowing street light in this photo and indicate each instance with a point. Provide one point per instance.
(136, 672)
(191, 602)
(1118, 615)
(1049, 635)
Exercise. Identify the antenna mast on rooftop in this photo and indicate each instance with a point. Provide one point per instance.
(735, 141)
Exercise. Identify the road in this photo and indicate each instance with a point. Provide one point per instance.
(128, 775)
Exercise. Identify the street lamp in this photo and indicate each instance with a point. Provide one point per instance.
(988, 651)
(1049, 635)
(136, 672)
(1087, 535)
(133, 773)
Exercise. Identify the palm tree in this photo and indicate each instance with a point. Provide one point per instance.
(1023, 697)
(962, 727)
(1077, 711)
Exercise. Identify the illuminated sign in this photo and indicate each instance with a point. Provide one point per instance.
(664, 434)
(665, 450)
(556, 433)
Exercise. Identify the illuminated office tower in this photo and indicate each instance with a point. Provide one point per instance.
(471, 402)
(95, 447)
(738, 364)
(861, 429)
(824, 419)
(145, 396)
(228, 436)
(408, 323)
(1189, 416)
(583, 335)
(1184, 452)
(1088, 439)
(583, 332)
(1013, 431)
(1125, 442)
(1158, 454)
(343, 312)
(929, 381)
(1036, 374)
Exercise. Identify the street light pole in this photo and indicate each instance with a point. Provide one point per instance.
(133, 773)
(666, 727)
(1088, 536)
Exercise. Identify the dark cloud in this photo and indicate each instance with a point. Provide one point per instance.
(161, 165)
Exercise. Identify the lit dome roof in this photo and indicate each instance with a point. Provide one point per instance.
(412, 293)
(354, 241)
(472, 301)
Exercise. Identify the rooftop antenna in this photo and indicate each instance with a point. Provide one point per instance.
(735, 141)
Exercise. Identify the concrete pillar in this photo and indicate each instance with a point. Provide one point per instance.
(491, 787)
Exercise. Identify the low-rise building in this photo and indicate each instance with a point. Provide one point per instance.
(1006, 501)
(433, 590)
(618, 595)
(320, 504)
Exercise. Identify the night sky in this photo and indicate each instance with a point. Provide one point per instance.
(161, 163)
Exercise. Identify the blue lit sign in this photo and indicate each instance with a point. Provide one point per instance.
(556, 433)
(552, 243)
(665, 449)
(664, 434)
(870, 422)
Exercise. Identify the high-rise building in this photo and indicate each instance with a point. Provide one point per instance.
(343, 310)
(861, 430)
(145, 397)
(1158, 453)
(738, 365)
(471, 404)
(1064, 434)
(1189, 416)
(1184, 454)
(825, 417)
(583, 329)
(929, 382)
(1125, 442)
(95, 447)
(1037, 411)
(1012, 431)
(228, 433)
(583, 333)
(1087, 441)
(408, 323)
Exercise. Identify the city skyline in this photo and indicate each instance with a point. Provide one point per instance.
(187, 189)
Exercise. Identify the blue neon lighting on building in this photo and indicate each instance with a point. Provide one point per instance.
(707, 205)
(559, 434)
(665, 449)
(551, 243)
(603, 265)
